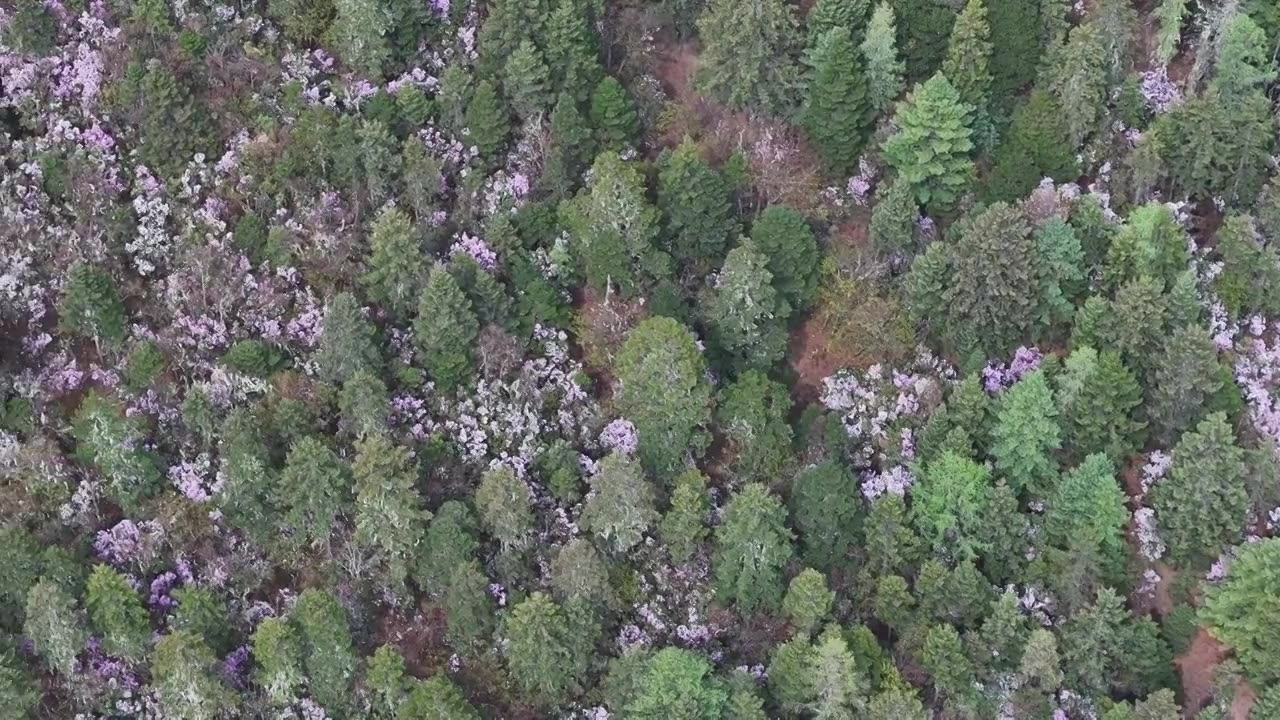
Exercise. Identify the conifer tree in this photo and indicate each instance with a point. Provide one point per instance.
(446, 329)
(502, 501)
(1034, 147)
(750, 53)
(277, 655)
(808, 601)
(923, 29)
(1245, 60)
(396, 265)
(826, 15)
(944, 659)
(488, 122)
(746, 317)
(436, 698)
(1016, 36)
(825, 511)
(55, 627)
(968, 61)
(91, 306)
(360, 33)
(1239, 610)
(1201, 506)
(1027, 435)
(664, 393)
(389, 516)
(677, 683)
(695, 202)
(1088, 506)
(314, 491)
(114, 444)
(620, 506)
(1185, 376)
(526, 81)
(1098, 398)
(783, 236)
(346, 344)
(580, 573)
(328, 654)
(893, 223)
(752, 415)
(570, 151)
(684, 527)
(836, 111)
(613, 116)
(450, 540)
(540, 654)
(840, 685)
(950, 504)
(468, 608)
(1078, 79)
(183, 675)
(1169, 14)
(753, 545)
(879, 49)
(931, 149)
(571, 52)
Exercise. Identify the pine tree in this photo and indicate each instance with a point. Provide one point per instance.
(749, 58)
(1035, 146)
(446, 329)
(620, 506)
(117, 614)
(540, 655)
(923, 29)
(1015, 30)
(328, 654)
(468, 608)
(836, 112)
(753, 545)
(791, 680)
(613, 116)
(360, 33)
(1077, 78)
(1239, 610)
(752, 416)
(1186, 375)
(747, 319)
(825, 511)
(55, 627)
(968, 62)
(580, 573)
(396, 265)
(783, 235)
(571, 52)
(931, 149)
(502, 501)
(1027, 435)
(526, 80)
(808, 601)
(488, 122)
(386, 681)
(1201, 507)
(880, 52)
(944, 659)
(1250, 277)
(91, 306)
(346, 344)
(1117, 24)
(570, 151)
(826, 15)
(1215, 147)
(388, 514)
(313, 492)
(893, 223)
(114, 444)
(684, 527)
(664, 393)
(1245, 60)
(1003, 635)
(1098, 398)
(695, 202)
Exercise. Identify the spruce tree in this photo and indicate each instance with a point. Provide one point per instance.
(389, 516)
(684, 527)
(950, 504)
(91, 306)
(117, 614)
(893, 223)
(1239, 610)
(328, 653)
(745, 315)
(436, 698)
(314, 490)
(488, 123)
(695, 202)
(836, 111)
(571, 52)
(1015, 54)
(750, 54)
(183, 674)
(1185, 377)
(526, 81)
(1036, 146)
(613, 116)
(1202, 506)
(923, 29)
(346, 344)
(826, 15)
(1098, 398)
(1088, 506)
(783, 236)
(620, 506)
(468, 609)
(968, 62)
(879, 49)
(1077, 78)
(540, 653)
(1245, 60)
(808, 601)
(825, 510)
(931, 149)
(503, 503)
(396, 265)
(752, 416)
(1027, 435)
(360, 33)
(446, 329)
(571, 149)
(753, 545)
(1169, 14)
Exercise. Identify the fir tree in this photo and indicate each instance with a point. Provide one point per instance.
(944, 659)
(313, 492)
(684, 527)
(750, 54)
(783, 235)
(1027, 435)
(1201, 506)
(55, 627)
(1186, 375)
(752, 415)
(808, 601)
(1169, 14)
(968, 62)
(1239, 610)
(880, 52)
(91, 306)
(488, 122)
(468, 608)
(502, 501)
(827, 15)
(1077, 78)
(1015, 54)
(580, 573)
(677, 683)
(540, 654)
(1035, 146)
(931, 149)
(328, 654)
(1088, 506)
(571, 52)
(117, 614)
(183, 675)
(388, 514)
(346, 344)
(840, 685)
(613, 116)
(277, 654)
(526, 81)
(695, 202)
(620, 506)
(446, 329)
(396, 265)
(836, 111)
(950, 504)
(450, 540)
(746, 318)
(1098, 398)
(825, 511)
(893, 223)
(753, 545)
(570, 151)
(360, 33)
(437, 698)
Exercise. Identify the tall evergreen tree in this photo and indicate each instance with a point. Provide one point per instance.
(695, 202)
(1027, 435)
(446, 329)
(571, 149)
(388, 514)
(117, 614)
(1035, 146)
(613, 116)
(620, 506)
(950, 504)
(750, 54)
(347, 344)
(1201, 506)
(1078, 79)
(746, 317)
(526, 81)
(825, 510)
(825, 15)
(396, 263)
(540, 653)
(314, 490)
(1185, 377)
(571, 52)
(753, 545)
(488, 122)
(1099, 397)
(91, 306)
(885, 68)
(783, 235)
(931, 149)
(968, 62)
(1015, 53)
(836, 111)
(328, 653)
(360, 32)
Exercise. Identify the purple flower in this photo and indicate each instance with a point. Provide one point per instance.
(235, 667)
(620, 436)
(476, 249)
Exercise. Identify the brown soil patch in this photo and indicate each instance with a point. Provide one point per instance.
(813, 358)
(1197, 666)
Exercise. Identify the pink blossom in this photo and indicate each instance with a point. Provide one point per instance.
(476, 249)
(620, 436)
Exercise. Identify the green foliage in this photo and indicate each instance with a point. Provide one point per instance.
(1149, 244)
(396, 264)
(808, 601)
(880, 52)
(1035, 146)
(791, 678)
(389, 516)
(944, 659)
(502, 500)
(1169, 14)
(783, 236)
(746, 316)
(112, 442)
(825, 510)
(753, 545)
(328, 655)
(1098, 398)
(347, 345)
(314, 489)
(749, 56)
(360, 35)
(184, 679)
(1185, 376)
(620, 506)
(55, 626)
(613, 116)
(31, 28)
(277, 653)
(1027, 435)
(1242, 610)
(931, 149)
(950, 504)
(571, 51)
(468, 608)
(893, 223)
(386, 681)
(1077, 77)
(203, 615)
(488, 122)
(91, 306)
(446, 329)
(752, 416)
(437, 698)
(168, 102)
(837, 113)
(969, 53)
(540, 649)
(923, 29)
(526, 81)
(676, 683)
(450, 540)
(571, 148)
(117, 613)
(684, 527)
(18, 690)
(664, 393)
(695, 202)
(1214, 147)
(1245, 60)
(1250, 268)
(1092, 644)
(1202, 505)
(1015, 30)
(1088, 506)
